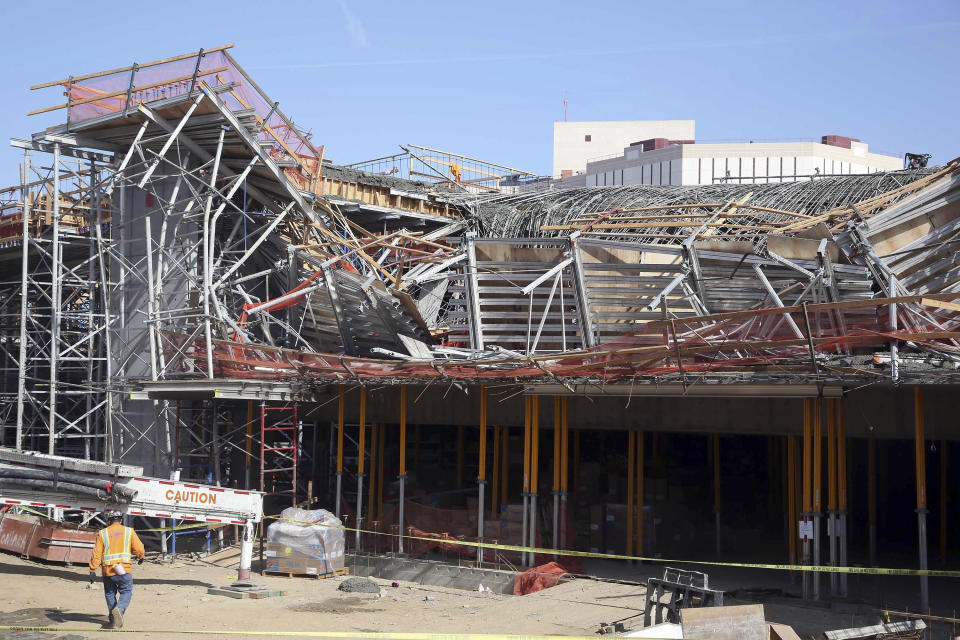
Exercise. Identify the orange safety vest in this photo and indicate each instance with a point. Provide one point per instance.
(112, 556)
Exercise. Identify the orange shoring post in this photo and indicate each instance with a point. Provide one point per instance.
(631, 464)
(639, 491)
(535, 444)
(526, 444)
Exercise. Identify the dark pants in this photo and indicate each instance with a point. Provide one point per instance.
(118, 590)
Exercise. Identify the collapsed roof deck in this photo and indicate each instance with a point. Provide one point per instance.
(216, 243)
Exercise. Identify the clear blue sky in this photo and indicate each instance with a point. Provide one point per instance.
(488, 79)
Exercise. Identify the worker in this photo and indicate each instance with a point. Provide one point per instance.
(114, 551)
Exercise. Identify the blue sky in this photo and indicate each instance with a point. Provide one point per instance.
(488, 79)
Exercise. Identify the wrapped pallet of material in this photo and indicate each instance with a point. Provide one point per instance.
(305, 542)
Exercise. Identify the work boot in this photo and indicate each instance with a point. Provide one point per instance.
(110, 620)
(116, 619)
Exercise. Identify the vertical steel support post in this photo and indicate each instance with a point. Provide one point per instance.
(840, 405)
(944, 490)
(716, 490)
(919, 436)
(564, 470)
(24, 297)
(791, 499)
(631, 465)
(505, 465)
(403, 467)
(534, 472)
(832, 490)
(461, 435)
(340, 408)
(817, 489)
(372, 479)
(482, 470)
(557, 417)
(495, 474)
(807, 486)
(360, 456)
(55, 312)
(526, 478)
(639, 490)
(872, 498)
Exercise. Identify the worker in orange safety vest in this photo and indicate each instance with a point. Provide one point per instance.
(114, 551)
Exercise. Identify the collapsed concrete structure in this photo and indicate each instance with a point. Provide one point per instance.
(193, 288)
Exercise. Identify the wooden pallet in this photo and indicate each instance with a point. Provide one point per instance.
(319, 576)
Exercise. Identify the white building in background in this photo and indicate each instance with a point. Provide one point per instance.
(582, 156)
(577, 143)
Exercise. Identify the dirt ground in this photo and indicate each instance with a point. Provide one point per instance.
(174, 597)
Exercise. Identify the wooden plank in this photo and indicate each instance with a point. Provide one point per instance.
(940, 304)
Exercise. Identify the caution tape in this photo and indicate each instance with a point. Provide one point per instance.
(877, 571)
(381, 635)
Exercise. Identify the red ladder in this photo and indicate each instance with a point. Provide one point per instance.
(279, 444)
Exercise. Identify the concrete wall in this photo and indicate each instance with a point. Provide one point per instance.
(571, 150)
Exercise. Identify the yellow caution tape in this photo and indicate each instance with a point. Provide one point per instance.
(878, 571)
(381, 635)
